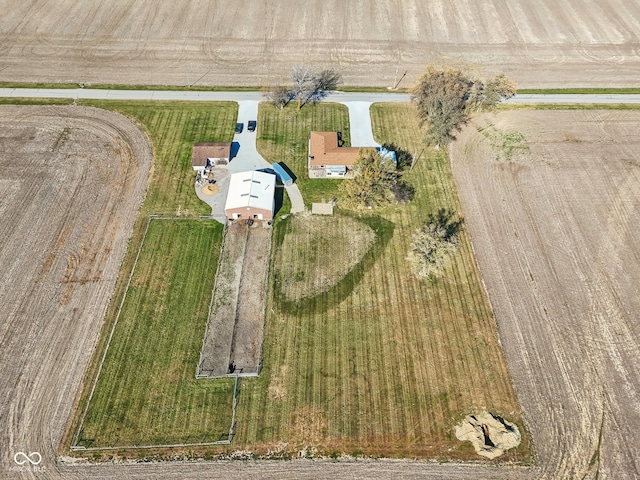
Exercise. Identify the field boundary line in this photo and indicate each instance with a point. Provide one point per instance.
(113, 328)
(199, 370)
(266, 300)
(74, 445)
(230, 435)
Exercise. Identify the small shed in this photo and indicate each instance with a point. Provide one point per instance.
(282, 174)
(210, 154)
(251, 196)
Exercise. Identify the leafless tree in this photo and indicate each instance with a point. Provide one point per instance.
(310, 86)
(304, 84)
(279, 95)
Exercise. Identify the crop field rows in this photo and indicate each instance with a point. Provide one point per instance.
(377, 362)
(555, 230)
(383, 364)
(546, 43)
(72, 182)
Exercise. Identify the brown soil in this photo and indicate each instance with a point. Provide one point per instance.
(71, 182)
(543, 43)
(210, 189)
(556, 237)
(234, 331)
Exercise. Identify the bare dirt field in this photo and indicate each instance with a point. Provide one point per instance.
(236, 320)
(539, 44)
(556, 234)
(71, 182)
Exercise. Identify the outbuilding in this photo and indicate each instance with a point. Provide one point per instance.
(210, 154)
(251, 196)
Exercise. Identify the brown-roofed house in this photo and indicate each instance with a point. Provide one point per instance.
(210, 154)
(327, 159)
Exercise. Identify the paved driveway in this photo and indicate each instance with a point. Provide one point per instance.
(245, 156)
(360, 122)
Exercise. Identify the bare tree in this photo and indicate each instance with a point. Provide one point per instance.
(304, 84)
(310, 86)
(279, 95)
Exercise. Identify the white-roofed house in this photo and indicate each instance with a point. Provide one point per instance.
(251, 196)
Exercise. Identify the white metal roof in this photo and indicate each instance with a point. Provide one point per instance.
(251, 189)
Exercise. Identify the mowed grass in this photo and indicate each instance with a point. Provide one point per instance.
(173, 128)
(283, 136)
(147, 393)
(389, 368)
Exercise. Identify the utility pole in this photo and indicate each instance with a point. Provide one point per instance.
(398, 82)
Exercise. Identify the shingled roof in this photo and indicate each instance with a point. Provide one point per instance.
(204, 150)
(324, 150)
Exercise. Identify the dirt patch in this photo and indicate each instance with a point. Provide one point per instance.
(557, 243)
(310, 241)
(491, 435)
(210, 189)
(73, 179)
(233, 340)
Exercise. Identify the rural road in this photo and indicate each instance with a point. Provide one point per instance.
(341, 97)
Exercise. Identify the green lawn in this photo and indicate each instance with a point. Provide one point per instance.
(384, 363)
(379, 363)
(173, 128)
(147, 392)
(283, 136)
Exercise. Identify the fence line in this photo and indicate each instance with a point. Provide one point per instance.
(113, 328)
(199, 369)
(230, 435)
(74, 442)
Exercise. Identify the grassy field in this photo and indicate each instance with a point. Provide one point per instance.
(377, 362)
(385, 364)
(173, 128)
(147, 392)
(283, 136)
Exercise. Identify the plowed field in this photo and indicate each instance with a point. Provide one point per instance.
(556, 234)
(71, 182)
(243, 42)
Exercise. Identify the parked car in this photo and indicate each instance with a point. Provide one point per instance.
(251, 126)
(239, 127)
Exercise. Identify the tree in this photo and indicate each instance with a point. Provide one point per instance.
(373, 184)
(310, 86)
(444, 97)
(279, 96)
(499, 88)
(440, 97)
(304, 84)
(434, 243)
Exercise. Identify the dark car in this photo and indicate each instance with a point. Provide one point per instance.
(239, 127)
(251, 126)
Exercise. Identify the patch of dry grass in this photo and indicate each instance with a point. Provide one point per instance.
(319, 251)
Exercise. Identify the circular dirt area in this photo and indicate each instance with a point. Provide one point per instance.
(210, 189)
